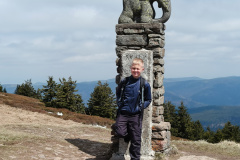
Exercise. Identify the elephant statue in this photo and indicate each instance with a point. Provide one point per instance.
(142, 11)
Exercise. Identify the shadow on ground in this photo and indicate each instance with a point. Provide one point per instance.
(102, 151)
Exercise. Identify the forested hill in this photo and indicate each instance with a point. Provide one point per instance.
(193, 91)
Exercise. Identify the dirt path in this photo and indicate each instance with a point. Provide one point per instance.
(28, 135)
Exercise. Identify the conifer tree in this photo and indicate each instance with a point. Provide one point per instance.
(170, 115)
(66, 96)
(208, 135)
(185, 126)
(49, 92)
(26, 89)
(231, 132)
(217, 137)
(102, 101)
(197, 132)
(1, 88)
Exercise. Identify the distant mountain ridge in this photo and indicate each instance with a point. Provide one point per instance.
(193, 91)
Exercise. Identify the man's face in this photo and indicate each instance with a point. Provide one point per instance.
(136, 70)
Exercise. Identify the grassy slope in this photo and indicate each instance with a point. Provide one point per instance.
(35, 105)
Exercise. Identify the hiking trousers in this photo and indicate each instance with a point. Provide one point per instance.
(130, 127)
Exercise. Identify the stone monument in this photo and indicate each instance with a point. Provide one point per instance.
(139, 35)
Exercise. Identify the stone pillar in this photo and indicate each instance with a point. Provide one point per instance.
(145, 41)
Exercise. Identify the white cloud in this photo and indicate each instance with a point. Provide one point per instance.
(72, 38)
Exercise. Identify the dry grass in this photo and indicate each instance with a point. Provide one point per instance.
(224, 150)
(35, 105)
(10, 137)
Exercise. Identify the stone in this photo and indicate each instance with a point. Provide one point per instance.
(160, 135)
(133, 31)
(157, 93)
(154, 28)
(158, 119)
(138, 11)
(159, 61)
(129, 55)
(161, 127)
(160, 145)
(158, 101)
(158, 81)
(156, 36)
(158, 52)
(161, 110)
(155, 42)
(158, 68)
(120, 49)
(157, 111)
(131, 40)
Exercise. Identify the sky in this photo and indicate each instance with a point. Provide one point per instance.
(63, 38)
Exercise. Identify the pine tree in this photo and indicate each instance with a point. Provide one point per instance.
(102, 101)
(26, 89)
(170, 115)
(231, 132)
(49, 92)
(218, 137)
(198, 131)
(185, 126)
(208, 135)
(66, 96)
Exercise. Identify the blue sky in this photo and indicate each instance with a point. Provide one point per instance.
(62, 38)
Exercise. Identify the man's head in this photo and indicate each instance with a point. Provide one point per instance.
(137, 67)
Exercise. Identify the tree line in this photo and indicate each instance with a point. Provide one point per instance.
(102, 103)
(183, 126)
(64, 95)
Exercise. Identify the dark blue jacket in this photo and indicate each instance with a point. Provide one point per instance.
(130, 96)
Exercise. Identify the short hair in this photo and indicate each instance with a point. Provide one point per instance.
(138, 61)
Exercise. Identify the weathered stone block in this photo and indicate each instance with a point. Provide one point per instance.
(160, 145)
(134, 47)
(147, 27)
(156, 36)
(158, 101)
(120, 49)
(155, 110)
(161, 127)
(160, 135)
(158, 68)
(129, 55)
(158, 92)
(131, 40)
(161, 110)
(158, 119)
(158, 61)
(158, 81)
(133, 31)
(155, 42)
(158, 110)
(158, 52)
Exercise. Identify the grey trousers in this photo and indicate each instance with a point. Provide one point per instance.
(130, 127)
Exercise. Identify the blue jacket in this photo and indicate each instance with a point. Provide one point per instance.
(132, 90)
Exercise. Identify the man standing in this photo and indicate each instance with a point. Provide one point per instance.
(131, 104)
